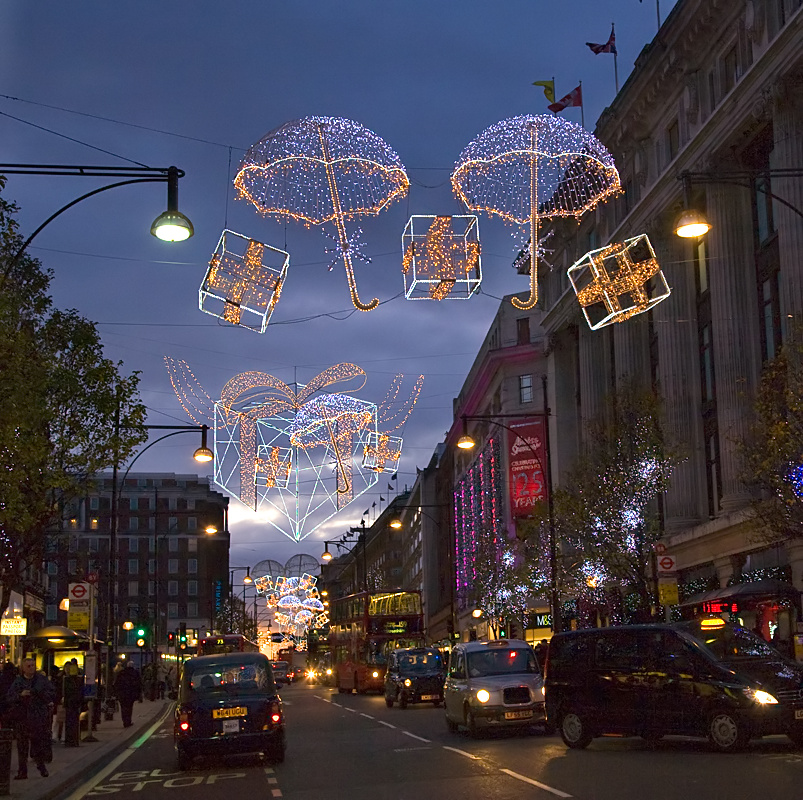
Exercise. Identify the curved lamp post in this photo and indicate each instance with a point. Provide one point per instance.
(169, 226)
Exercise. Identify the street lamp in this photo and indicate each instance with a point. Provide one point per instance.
(341, 543)
(465, 442)
(170, 226)
(692, 222)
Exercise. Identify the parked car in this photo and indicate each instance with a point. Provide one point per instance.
(493, 685)
(699, 678)
(227, 704)
(414, 675)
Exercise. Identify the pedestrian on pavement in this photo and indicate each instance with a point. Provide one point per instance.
(128, 688)
(30, 701)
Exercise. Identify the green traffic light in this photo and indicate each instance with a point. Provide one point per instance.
(140, 631)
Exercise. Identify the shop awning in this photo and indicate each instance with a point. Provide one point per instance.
(766, 587)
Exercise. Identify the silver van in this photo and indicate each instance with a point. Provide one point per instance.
(493, 685)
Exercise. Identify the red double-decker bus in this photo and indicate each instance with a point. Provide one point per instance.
(364, 628)
(226, 643)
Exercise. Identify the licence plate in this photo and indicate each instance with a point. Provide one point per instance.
(231, 726)
(518, 714)
(799, 713)
(429, 697)
(224, 713)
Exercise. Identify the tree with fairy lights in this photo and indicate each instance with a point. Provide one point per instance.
(606, 510)
(772, 452)
(67, 411)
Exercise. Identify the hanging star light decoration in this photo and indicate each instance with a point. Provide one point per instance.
(243, 282)
(531, 168)
(441, 257)
(317, 170)
(301, 454)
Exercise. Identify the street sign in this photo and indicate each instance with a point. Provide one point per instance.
(660, 548)
(666, 563)
(668, 592)
(92, 577)
(78, 591)
(13, 626)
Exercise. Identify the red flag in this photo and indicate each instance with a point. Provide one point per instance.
(608, 47)
(574, 98)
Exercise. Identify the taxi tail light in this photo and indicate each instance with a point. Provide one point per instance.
(184, 721)
(275, 713)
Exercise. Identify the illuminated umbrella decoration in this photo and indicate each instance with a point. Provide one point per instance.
(323, 169)
(530, 168)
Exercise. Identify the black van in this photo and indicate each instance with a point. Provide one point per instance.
(227, 704)
(698, 678)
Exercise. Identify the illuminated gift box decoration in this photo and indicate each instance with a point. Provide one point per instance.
(441, 257)
(382, 452)
(243, 282)
(619, 281)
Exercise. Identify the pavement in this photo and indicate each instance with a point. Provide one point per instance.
(73, 765)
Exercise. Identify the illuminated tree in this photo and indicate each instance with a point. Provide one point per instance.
(234, 617)
(773, 450)
(66, 411)
(606, 509)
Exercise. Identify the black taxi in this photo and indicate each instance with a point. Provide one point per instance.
(228, 704)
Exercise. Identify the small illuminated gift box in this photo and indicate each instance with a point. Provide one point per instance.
(382, 452)
(441, 257)
(272, 466)
(243, 282)
(619, 281)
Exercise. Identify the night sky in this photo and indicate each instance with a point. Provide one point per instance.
(193, 84)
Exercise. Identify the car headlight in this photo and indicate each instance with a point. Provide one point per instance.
(329, 672)
(761, 697)
(408, 682)
(543, 691)
(375, 674)
(483, 696)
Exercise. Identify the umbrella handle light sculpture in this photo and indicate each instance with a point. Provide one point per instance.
(533, 299)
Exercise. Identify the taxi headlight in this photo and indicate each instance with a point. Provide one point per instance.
(329, 672)
(408, 682)
(483, 696)
(761, 697)
(375, 674)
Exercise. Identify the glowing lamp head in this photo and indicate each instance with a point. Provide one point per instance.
(408, 682)
(203, 455)
(395, 523)
(210, 529)
(326, 555)
(692, 224)
(172, 226)
(465, 442)
(476, 613)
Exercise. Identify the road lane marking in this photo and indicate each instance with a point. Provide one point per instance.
(461, 752)
(543, 786)
(87, 787)
(352, 710)
(367, 716)
(276, 792)
(386, 724)
(413, 736)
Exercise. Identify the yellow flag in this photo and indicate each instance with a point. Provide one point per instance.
(549, 89)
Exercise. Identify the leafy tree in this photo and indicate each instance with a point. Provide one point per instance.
(234, 617)
(65, 411)
(772, 452)
(605, 510)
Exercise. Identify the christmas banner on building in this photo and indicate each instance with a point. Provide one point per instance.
(526, 466)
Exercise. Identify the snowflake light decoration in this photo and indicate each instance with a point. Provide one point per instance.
(441, 257)
(243, 282)
(618, 281)
(530, 168)
(323, 169)
(302, 454)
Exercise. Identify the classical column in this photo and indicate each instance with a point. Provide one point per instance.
(594, 366)
(735, 332)
(631, 343)
(787, 124)
(675, 321)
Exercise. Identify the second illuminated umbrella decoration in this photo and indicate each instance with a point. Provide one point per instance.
(323, 169)
(530, 168)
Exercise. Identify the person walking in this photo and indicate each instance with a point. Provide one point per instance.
(30, 702)
(128, 688)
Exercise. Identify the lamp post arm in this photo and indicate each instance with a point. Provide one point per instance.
(151, 444)
(18, 255)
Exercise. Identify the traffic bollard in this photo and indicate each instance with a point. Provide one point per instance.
(6, 737)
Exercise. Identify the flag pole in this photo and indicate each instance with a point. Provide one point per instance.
(658, 12)
(582, 107)
(616, 63)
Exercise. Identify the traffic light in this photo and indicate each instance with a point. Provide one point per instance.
(142, 635)
(512, 631)
(171, 638)
(502, 629)
(182, 633)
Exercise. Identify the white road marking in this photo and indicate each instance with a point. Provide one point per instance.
(367, 716)
(413, 736)
(269, 770)
(386, 724)
(276, 792)
(543, 786)
(273, 781)
(461, 752)
(352, 710)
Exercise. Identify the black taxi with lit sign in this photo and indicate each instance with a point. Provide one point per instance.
(228, 703)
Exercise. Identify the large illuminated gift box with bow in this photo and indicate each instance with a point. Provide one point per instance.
(441, 257)
(243, 282)
(619, 281)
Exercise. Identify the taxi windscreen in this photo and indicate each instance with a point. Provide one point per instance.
(222, 678)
